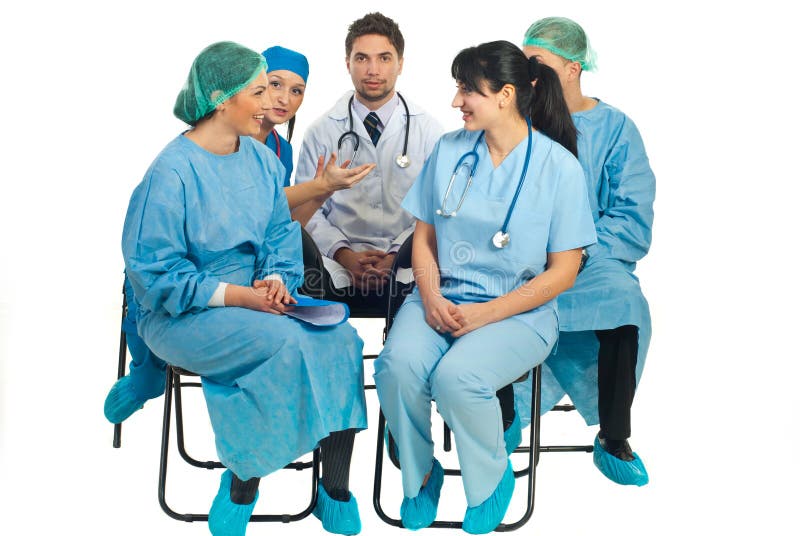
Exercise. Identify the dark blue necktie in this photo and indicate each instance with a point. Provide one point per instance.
(371, 123)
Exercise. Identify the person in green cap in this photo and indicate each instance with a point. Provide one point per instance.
(604, 320)
(214, 260)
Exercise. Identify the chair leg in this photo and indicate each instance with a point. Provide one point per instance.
(174, 386)
(123, 358)
(533, 455)
(529, 471)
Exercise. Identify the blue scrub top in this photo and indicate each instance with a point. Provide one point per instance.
(551, 215)
(285, 155)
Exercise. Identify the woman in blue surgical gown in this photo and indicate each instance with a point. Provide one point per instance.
(483, 315)
(287, 72)
(213, 258)
(604, 319)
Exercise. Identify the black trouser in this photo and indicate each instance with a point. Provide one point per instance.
(616, 379)
(318, 284)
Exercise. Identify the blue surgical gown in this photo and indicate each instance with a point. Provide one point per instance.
(274, 386)
(146, 369)
(462, 374)
(606, 294)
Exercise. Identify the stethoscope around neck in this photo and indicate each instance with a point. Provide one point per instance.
(401, 160)
(501, 238)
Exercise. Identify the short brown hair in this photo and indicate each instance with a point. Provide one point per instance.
(377, 24)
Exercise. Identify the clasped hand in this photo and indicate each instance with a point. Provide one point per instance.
(369, 270)
(446, 317)
(267, 295)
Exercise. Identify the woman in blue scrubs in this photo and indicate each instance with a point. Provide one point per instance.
(482, 315)
(214, 258)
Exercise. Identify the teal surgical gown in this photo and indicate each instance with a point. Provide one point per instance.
(606, 294)
(274, 386)
(462, 374)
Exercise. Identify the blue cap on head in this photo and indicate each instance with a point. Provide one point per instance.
(283, 59)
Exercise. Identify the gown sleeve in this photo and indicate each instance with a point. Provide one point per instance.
(281, 251)
(325, 234)
(155, 249)
(624, 229)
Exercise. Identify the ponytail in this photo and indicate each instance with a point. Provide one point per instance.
(548, 109)
(290, 130)
(501, 62)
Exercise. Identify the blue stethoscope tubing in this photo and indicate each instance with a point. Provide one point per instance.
(401, 160)
(501, 238)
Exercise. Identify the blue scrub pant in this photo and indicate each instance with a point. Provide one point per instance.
(462, 374)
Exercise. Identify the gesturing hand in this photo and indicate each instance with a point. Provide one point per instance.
(335, 177)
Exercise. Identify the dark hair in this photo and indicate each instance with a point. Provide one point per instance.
(499, 63)
(290, 130)
(378, 24)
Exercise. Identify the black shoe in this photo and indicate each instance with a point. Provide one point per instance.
(619, 448)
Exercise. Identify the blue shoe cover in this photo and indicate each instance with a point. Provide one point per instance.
(420, 511)
(338, 517)
(122, 401)
(630, 473)
(513, 436)
(485, 517)
(227, 518)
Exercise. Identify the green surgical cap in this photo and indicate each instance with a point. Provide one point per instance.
(218, 73)
(563, 37)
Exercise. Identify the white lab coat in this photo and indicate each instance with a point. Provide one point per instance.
(369, 215)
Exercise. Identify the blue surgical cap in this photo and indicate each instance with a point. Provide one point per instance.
(283, 59)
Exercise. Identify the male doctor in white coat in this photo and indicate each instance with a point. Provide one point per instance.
(358, 231)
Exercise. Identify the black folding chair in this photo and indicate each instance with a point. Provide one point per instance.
(174, 384)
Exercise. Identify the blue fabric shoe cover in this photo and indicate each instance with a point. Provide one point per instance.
(419, 512)
(513, 436)
(485, 517)
(338, 517)
(226, 518)
(630, 473)
(122, 401)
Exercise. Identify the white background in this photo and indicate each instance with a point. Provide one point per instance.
(87, 94)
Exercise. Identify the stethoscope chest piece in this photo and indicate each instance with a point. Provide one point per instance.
(402, 161)
(501, 239)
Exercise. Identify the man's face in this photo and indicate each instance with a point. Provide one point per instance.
(374, 66)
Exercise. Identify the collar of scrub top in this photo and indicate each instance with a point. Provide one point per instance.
(401, 160)
(501, 238)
